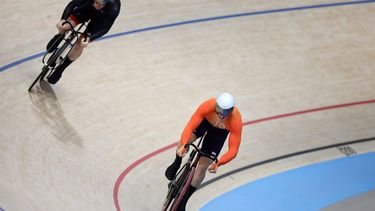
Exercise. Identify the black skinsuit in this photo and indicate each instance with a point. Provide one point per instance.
(101, 20)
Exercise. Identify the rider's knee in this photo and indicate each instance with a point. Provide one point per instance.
(201, 169)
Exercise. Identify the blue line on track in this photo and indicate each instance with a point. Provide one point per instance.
(5, 67)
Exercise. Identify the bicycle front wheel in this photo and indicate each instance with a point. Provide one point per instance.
(170, 196)
(175, 185)
(183, 188)
(40, 76)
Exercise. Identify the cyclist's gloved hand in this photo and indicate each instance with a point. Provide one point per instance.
(181, 151)
(213, 168)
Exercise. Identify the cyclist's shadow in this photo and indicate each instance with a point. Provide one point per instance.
(47, 106)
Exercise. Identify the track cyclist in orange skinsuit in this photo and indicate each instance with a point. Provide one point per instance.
(218, 117)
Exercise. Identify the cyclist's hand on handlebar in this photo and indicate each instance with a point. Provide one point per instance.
(62, 27)
(213, 168)
(85, 41)
(181, 151)
(59, 25)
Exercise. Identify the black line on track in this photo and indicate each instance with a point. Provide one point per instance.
(209, 182)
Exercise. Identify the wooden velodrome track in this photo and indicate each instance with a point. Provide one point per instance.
(101, 138)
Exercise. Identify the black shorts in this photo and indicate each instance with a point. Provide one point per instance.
(214, 140)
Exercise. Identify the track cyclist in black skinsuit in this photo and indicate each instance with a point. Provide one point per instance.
(101, 13)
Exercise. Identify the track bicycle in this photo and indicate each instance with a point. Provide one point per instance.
(179, 185)
(54, 58)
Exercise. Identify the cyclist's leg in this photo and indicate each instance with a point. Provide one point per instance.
(200, 171)
(173, 168)
(198, 177)
(56, 75)
(74, 54)
(77, 49)
(212, 144)
(55, 41)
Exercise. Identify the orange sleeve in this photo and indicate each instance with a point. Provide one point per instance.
(196, 119)
(234, 139)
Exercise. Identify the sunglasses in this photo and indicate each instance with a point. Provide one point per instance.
(222, 113)
(100, 2)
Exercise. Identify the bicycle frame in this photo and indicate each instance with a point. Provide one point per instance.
(70, 38)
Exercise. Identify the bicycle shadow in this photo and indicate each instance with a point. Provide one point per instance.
(47, 106)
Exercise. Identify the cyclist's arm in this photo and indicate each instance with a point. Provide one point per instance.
(234, 142)
(95, 32)
(195, 120)
(102, 26)
(69, 8)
